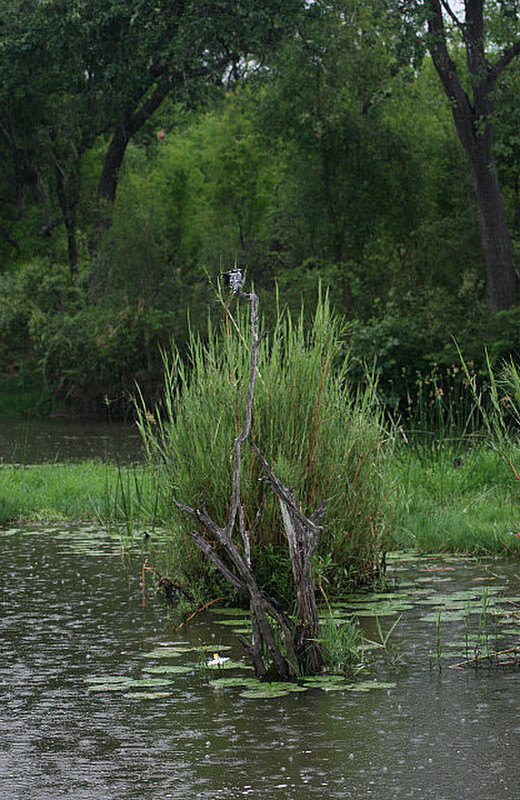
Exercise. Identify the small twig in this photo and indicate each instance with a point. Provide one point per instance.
(198, 611)
(258, 515)
(515, 473)
(488, 656)
(143, 581)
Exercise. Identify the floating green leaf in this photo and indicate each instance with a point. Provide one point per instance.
(274, 689)
(120, 684)
(238, 680)
(368, 686)
(329, 683)
(168, 652)
(169, 669)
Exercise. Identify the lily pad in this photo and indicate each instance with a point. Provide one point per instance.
(369, 685)
(235, 680)
(169, 669)
(373, 597)
(104, 679)
(274, 689)
(389, 610)
(329, 683)
(336, 683)
(130, 683)
(168, 652)
(401, 556)
(146, 695)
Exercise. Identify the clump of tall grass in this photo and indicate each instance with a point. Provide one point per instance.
(500, 408)
(343, 646)
(319, 438)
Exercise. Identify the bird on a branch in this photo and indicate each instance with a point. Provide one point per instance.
(236, 279)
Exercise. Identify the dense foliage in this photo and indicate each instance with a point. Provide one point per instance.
(146, 146)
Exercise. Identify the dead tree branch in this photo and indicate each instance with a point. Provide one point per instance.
(300, 637)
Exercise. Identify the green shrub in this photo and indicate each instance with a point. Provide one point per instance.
(318, 437)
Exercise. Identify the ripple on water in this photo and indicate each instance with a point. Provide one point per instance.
(71, 613)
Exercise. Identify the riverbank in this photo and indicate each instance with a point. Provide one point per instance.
(457, 496)
(90, 490)
(447, 497)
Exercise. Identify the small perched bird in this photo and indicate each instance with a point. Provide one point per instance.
(236, 279)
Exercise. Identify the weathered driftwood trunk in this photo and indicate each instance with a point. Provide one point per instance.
(301, 650)
(303, 536)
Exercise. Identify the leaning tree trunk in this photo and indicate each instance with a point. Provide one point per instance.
(302, 651)
(472, 113)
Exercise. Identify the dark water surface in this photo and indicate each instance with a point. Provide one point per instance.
(71, 608)
(32, 441)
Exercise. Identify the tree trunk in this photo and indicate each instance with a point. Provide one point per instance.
(68, 195)
(497, 248)
(107, 186)
(472, 119)
(303, 536)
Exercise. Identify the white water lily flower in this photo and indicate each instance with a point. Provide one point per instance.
(217, 660)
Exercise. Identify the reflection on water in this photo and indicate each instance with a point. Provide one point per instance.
(69, 612)
(34, 441)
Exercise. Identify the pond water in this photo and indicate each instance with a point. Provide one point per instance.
(31, 441)
(72, 618)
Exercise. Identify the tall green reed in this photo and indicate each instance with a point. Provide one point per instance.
(319, 437)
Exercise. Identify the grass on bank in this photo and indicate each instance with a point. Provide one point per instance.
(449, 492)
(458, 497)
(89, 490)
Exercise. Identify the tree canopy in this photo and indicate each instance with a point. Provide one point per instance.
(144, 147)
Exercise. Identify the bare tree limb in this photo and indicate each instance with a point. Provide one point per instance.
(303, 534)
(210, 553)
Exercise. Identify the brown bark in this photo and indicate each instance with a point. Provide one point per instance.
(472, 119)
